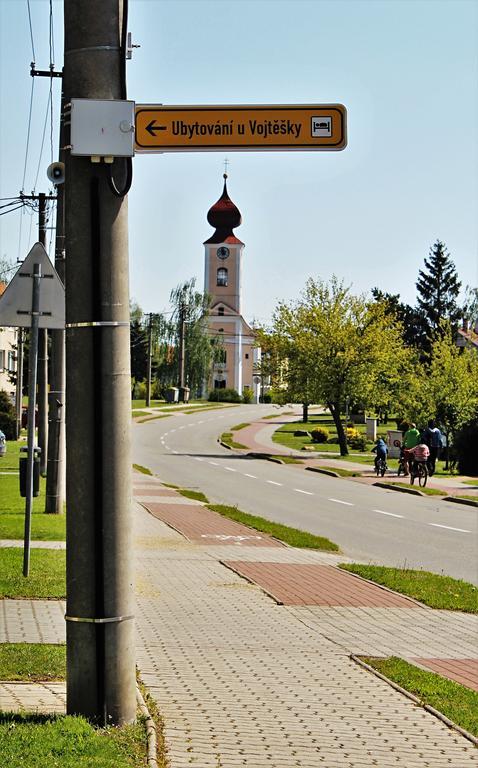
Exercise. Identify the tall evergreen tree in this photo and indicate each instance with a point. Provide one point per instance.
(438, 288)
(411, 319)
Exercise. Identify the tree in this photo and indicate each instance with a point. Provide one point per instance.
(438, 288)
(200, 344)
(450, 391)
(338, 347)
(412, 320)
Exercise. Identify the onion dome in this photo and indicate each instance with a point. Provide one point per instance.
(224, 216)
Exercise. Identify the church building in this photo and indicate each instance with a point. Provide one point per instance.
(223, 260)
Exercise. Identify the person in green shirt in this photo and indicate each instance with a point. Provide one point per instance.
(411, 439)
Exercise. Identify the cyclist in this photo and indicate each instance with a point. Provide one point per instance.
(381, 451)
(411, 439)
(419, 453)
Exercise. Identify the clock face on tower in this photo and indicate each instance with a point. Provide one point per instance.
(222, 252)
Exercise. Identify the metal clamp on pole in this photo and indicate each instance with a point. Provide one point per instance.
(111, 620)
(99, 324)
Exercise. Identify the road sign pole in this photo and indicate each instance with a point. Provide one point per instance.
(32, 385)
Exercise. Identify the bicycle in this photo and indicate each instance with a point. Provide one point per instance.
(402, 465)
(380, 466)
(419, 470)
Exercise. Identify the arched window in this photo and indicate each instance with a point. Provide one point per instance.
(221, 276)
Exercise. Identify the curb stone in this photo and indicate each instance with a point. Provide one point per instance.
(416, 700)
(457, 500)
(392, 487)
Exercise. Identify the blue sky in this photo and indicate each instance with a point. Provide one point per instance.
(406, 70)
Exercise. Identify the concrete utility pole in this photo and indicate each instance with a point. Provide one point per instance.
(182, 349)
(42, 396)
(150, 355)
(55, 475)
(100, 602)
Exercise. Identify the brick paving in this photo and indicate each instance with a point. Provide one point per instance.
(293, 584)
(200, 524)
(33, 697)
(464, 671)
(242, 681)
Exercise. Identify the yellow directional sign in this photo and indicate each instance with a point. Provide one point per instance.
(160, 128)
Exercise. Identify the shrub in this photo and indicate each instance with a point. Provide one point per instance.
(8, 425)
(267, 398)
(139, 390)
(247, 395)
(358, 443)
(224, 396)
(319, 435)
(464, 447)
(8, 422)
(351, 434)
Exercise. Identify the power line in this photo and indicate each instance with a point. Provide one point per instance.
(31, 30)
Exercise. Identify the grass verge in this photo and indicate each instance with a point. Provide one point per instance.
(455, 701)
(226, 438)
(48, 741)
(426, 491)
(342, 472)
(12, 514)
(32, 662)
(432, 589)
(240, 426)
(143, 470)
(46, 579)
(292, 536)
(287, 459)
(191, 494)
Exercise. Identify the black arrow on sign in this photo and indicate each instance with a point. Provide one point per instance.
(152, 128)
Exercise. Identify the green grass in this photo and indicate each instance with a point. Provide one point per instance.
(342, 472)
(468, 498)
(191, 494)
(137, 414)
(432, 589)
(12, 513)
(471, 482)
(152, 418)
(272, 416)
(46, 579)
(226, 438)
(143, 470)
(416, 487)
(240, 426)
(170, 485)
(287, 459)
(292, 536)
(32, 661)
(48, 741)
(455, 701)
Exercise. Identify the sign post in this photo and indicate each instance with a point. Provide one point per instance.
(239, 128)
(34, 298)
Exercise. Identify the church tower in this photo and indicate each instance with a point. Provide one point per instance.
(223, 282)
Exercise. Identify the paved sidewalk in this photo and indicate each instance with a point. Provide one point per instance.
(243, 680)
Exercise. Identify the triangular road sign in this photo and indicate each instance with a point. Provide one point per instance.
(16, 301)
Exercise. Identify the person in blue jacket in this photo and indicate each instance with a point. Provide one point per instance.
(381, 450)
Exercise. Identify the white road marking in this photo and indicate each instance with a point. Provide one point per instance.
(174, 451)
(196, 458)
(390, 514)
(230, 469)
(200, 422)
(254, 477)
(273, 482)
(339, 501)
(214, 463)
(299, 490)
(449, 527)
(171, 431)
(183, 427)
(190, 425)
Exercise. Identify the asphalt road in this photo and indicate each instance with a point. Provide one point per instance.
(368, 523)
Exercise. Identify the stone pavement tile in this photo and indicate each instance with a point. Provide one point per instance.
(464, 671)
(32, 621)
(283, 555)
(395, 631)
(146, 496)
(198, 523)
(238, 677)
(304, 584)
(33, 697)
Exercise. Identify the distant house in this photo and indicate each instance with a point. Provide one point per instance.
(8, 364)
(467, 337)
